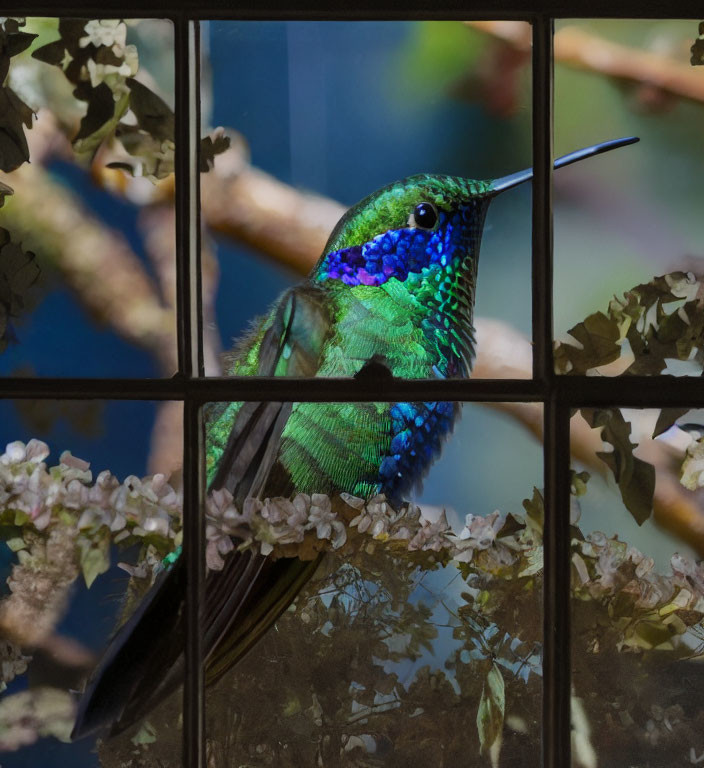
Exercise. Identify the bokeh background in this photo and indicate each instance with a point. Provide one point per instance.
(337, 110)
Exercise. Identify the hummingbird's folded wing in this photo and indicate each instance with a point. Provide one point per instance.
(144, 661)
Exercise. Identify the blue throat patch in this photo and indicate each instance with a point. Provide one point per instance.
(398, 252)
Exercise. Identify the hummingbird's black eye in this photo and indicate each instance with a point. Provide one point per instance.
(425, 215)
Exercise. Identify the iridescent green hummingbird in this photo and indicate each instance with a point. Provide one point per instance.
(395, 287)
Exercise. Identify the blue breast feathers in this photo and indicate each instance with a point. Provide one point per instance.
(419, 430)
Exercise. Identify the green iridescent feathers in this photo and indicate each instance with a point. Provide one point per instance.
(389, 207)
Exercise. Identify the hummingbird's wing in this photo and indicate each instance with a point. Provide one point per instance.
(144, 661)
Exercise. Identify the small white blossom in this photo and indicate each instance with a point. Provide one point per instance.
(107, 32)
(14, 453)
(692, 472)
(431, 535)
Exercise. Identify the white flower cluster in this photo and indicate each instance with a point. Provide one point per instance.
(269, 522)
(30, 715)
(381, 521)
(31, 491)
(110, 33)
(607, 568)
(281, 521)
(107, 32)
(377, 518)
(150, 507)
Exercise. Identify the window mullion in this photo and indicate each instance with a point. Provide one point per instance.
(189, 321)
(556, 453)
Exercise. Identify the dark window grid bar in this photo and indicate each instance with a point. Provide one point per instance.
(556, 724)
(541, 266)
(187, 199)
(361, 10)
(190, 357)
(576, 391)
(556, 594)
(194, 552)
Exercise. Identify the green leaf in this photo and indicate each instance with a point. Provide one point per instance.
(153, 114)
(697, 48)
(598, 336)
(635, 477)
(19, 42)
(21, 517)
(655, 333)
(103, 115)
(16, 544)
(18, 272)
(5, 191)
(667, 417)
(145, 735)
(535, 510)
(95, 556)
(578, 482)
(211, 146)
(52, 53)
(490, 715)
(14, 113)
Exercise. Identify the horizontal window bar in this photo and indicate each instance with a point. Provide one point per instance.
(273, 388)
(360, 10)
(573, 391)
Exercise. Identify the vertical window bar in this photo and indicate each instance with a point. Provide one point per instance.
(556, 449)
(556, 587)
(194, 552)
(542, 198)
(190, 365)
(188, 296)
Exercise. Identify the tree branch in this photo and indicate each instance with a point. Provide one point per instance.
(587, 51)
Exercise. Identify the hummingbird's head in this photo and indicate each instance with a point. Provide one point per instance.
(422, 223)
(425, 226)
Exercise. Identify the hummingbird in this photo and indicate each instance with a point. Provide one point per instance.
(393, 290)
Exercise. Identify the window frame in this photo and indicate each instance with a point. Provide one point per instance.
(560, 395)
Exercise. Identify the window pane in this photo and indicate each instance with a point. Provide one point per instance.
(90, 504)
(398, 625)
(322, 114)
(87, 239)
(638, 590)
(635, 213)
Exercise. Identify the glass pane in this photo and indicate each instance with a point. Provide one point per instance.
(87, 238)
(90, 504)
(320, 116)
(633, 214)
(638, 590)
(410, 625)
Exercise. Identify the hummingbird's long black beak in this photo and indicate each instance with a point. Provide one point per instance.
(514, 179)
